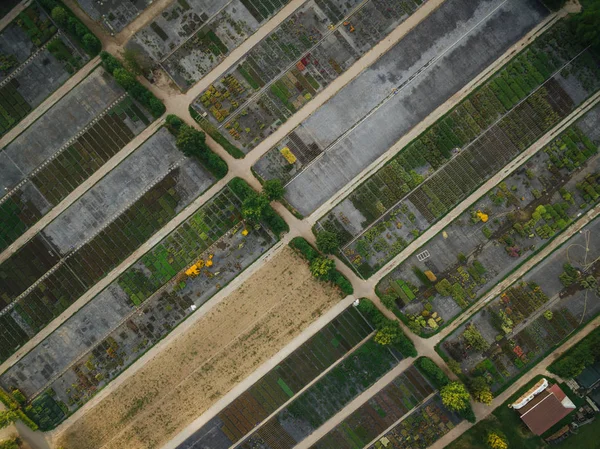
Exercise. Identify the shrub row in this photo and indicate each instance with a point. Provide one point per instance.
(439, 379)
(67, 21)
(380, 321)
(192, 143)
(133, 87)
(276, 224)
(310, 253)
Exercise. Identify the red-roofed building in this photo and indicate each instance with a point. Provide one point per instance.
(543, 407)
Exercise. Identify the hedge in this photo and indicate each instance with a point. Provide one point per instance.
(310, 253)
(11, 404)
(133, 86)
(197, 149)
(74, 27)
(379, 321)
(274, 222)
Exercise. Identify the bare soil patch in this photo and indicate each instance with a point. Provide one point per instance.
(204, 363)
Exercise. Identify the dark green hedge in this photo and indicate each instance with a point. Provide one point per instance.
(276, 224)
(195, 146)
(379, 321)
(74, 27)
(310, 253)
(132, 85)
(575, 360)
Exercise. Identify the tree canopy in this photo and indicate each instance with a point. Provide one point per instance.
(455, 396)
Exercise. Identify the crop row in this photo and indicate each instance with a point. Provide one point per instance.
(382, 410)
(535, 203)
(248, 121)
(494, 137)
(325, 398)
(71, 276)
(138, 317)
(284, 381)
(69, 169)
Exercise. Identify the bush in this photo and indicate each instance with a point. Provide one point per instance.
(273, 189)
(269, 217)
(67, 21)
(380, 321)
(455, 396)
(311, 254)
(213, 132)
(328, 242)
(132, 85)
(432, 371)
(192, 143)
(321, 267)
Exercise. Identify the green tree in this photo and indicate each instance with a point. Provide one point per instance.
(497, 440)
(59, 15)
(455, 396)
(10, 444)
(389, 301)
(587, 24)
(191, 141)
(273, 189)
(91, 43)
(386, 335)
(253, 208)
(7, 417)
(125, 79)
(480, 390)
(328, 242)
(321, 267)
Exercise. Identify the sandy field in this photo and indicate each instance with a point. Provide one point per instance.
(222, 348)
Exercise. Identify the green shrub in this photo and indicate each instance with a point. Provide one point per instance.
(432, 371)
(380, 321)
(328, 242)
(311, 254)
(269, 217)
(192, 143)
(575, 360)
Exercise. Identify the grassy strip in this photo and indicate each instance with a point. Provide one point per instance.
(274, 222)
(216, 135)
(67, 21)
(133, 87)
(577, 358)
(439, 379)
(303, 247)
(191, 142)
(379, 321)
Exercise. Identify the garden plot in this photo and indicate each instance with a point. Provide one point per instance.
(190, 38)
(325, 398)
(297, 60)
(509, 224)
(49, 184)
(534, 315)
(97, 232)
(115, 14)
(395, 400)
(434, 60)
(86, 353)
(37, 60)
(421, 428)
(283, 382)
(54, 130)
(225, 345)
(463, 149)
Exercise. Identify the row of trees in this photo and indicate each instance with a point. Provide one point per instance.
(66, 20)
(133, 87)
